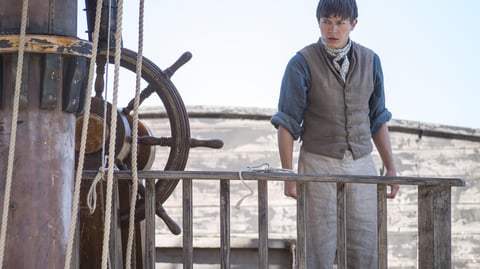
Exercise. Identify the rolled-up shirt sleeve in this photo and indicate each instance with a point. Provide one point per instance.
(293, 96)
(379, 114)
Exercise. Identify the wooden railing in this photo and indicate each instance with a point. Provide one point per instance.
(434, 214)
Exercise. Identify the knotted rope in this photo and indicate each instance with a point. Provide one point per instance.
(262, 168)
(13, 131)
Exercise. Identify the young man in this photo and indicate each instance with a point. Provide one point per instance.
(332, 98)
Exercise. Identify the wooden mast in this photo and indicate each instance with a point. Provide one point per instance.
(55, 69)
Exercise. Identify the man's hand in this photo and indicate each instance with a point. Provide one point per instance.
(393, 187)
(290, 189)
(393, 191)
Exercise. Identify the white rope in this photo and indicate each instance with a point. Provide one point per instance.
(107, 72)
(83, 141)
(13, 132)
(136, 104)
(92, 192)
(262, 168)
(111, 148)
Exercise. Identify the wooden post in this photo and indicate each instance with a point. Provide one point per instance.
(382, 226)
(42, 187)
(187, 224)
(225, 223)
(341, 227)
(149, 224)
(434, 226)
(301, 260)
(263, 223)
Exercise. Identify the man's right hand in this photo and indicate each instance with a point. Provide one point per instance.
(290, 189)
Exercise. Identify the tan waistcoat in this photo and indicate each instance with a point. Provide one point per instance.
(336, 117)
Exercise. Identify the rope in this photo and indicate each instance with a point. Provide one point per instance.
(83, 142)
(262, 168)
(111, 148)
(13, 132)
(136, 104)
(92, 192)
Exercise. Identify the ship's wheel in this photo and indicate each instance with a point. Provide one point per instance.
(167, 148)
(177, 141)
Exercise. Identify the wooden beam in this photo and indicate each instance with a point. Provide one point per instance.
(382, 226)
(341, 227)
(434, 227)
(187, 224)
(225, 223)
(263, 223)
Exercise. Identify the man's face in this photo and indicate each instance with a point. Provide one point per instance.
(336, 31)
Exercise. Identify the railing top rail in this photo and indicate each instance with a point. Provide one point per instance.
(282, 176)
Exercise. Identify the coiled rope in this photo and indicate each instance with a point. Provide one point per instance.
(13, 131)
(262, 168)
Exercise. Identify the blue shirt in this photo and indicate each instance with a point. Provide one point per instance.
(294, 91)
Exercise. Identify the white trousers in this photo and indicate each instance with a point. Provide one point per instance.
(321, 212)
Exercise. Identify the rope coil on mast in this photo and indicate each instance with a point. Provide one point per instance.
(13, 133)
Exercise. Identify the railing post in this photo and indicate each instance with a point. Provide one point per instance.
(225, 223)
(187, 224)
(382, 226)
(263, 223)
(301, 227)
(149, 224)
(341, 227)
(116, 234)
(434, 226)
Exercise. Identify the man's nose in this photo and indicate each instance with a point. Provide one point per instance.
(332, 28)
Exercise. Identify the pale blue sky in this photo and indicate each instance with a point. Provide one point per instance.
(429, 51)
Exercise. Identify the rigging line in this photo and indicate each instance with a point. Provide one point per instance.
(83, 141)
(92, 199)
(134, 152)
(105, 103)
(13, 132)
(111, 149)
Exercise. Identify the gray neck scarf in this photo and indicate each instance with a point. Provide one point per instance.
(339, 55)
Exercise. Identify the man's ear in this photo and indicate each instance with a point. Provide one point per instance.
(354, 23)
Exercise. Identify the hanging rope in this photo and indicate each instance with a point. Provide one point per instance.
(111, 148)
(13, 131)
(92, 192)
(83, 142)
(136, 104)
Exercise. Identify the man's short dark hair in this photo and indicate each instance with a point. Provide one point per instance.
(346, 9)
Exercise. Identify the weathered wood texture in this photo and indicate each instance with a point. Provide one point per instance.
(149, 254)
(50, 93)
(46, 17)
(253, 141)
(42, 186)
